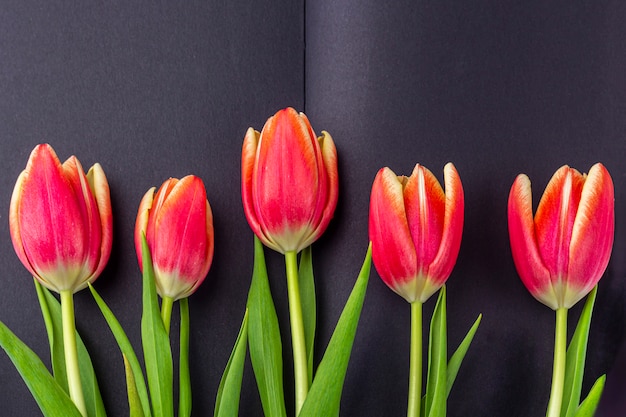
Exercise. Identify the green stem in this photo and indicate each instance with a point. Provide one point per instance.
(415, 367)
(558, 370)
(166, 312)
(297, 330)
(184, 378)
(71, 352)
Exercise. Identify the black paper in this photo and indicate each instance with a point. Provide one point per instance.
(153, 91)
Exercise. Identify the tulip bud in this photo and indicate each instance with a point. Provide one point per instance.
(415, 229)
(60, 220)
(289, 182)
(178, 225)
(562, 253)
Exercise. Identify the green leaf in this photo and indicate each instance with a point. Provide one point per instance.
(436, 385)
(54, 328)
(51, 398)
(264, 339)
(156, 344)
(325, 394)
(229, 391)
(589, 406)
(91, 391)
(455, 361)
(184, 379)
(307, 299)
(134, 401)
(575, 359)
(51, 309)
(127, 350)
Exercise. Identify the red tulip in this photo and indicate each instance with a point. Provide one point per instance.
(289, 182)
(562, 253)
(60, 220)
(416, 229)
(178, 224)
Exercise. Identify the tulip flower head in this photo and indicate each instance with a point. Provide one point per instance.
(60, 220)
(178, 225)
(289, 182)
(416, 229)
(562, 252)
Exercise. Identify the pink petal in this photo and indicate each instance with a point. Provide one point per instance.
(141, 224)
(555, 219)
(100, 189)
(526, 256)
(322, 192)
(592, 235)
(159, 199)
(248, 161)
(329, 157)
(393, 252)
(444, 262)
(424, 201)
(14, 224)
(91, 233)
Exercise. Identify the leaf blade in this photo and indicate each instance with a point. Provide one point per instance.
(126, 348)
(325, 394)
(51, 398)
(134, 401)
(229, 391)
(457, 357)
(155, 342)
(54, 328)
(264, 338)
(436, 385)
(575, 358)
(590, 404)
(308, 302)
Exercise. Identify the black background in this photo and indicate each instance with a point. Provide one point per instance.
(158, 90)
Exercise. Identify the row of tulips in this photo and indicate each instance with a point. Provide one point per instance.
(61, 228)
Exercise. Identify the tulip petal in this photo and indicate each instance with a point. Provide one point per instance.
(444, 262)
(159, 199)
(329, 157)
(141, 224)
(14, 224)
(424, 201)
(100, 189)
(210, 237)
(248, 161)
(392, 245)
(592, 234)
(534, 274)
(555, 218)
(91, 235)
(323, 183)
